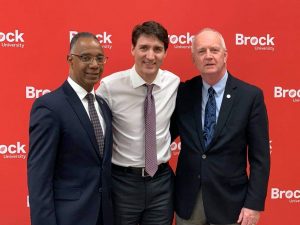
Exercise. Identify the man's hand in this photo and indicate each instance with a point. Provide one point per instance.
(248, 217)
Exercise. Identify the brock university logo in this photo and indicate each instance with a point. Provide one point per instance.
(181, 41)
(292, 196)
(13, 151)
(260, 43)
(105, 39)
(12, 39)
(285, 93)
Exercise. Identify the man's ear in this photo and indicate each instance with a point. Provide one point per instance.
(193, 59)
(225, 56)
(69, 59)
(166, 53)
(132, 50)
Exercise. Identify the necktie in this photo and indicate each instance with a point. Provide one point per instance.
(150, 133)
(95, 122)
(210, 117)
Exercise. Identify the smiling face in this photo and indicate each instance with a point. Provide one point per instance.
(149, 53)
(210, 55)
(85, 74)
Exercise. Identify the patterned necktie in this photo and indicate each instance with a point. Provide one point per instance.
(95, 122)
(210, 117)
(150, 133)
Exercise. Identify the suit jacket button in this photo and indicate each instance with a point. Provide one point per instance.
(100, 190)
(198, 176)
(203, 156)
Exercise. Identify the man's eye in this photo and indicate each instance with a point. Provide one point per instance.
(85, 58)
(214, 50)
(100, 58)
(143, 48)
(158, 50)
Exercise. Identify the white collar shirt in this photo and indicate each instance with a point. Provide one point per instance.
(125, 93)
(81, 93)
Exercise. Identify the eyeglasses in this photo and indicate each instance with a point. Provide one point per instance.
(100, 59)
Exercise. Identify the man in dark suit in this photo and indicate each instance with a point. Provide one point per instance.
(223, 126)
(69, 161)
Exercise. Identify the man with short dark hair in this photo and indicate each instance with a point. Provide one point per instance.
(142, 100)
(223, 125)
(69, 161)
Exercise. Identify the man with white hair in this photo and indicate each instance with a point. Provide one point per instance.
(223, 126)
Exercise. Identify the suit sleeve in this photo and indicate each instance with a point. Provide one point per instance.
(173, 125)
(258, 154)
(43, 143)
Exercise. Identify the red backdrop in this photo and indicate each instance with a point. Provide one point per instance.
(262, 38)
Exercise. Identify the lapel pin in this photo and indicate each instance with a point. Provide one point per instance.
(228, 96)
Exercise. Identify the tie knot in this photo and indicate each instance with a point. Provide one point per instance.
(211, 91)
(90, 97)
(149, 88)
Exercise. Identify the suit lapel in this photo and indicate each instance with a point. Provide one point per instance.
(226, 106)
(197, 94)
(82, 115)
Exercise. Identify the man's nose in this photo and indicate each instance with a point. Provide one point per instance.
(150, 54)
(208, 54)
(94, 63)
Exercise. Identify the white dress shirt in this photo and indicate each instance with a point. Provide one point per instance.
(125, 93)
(81, 92)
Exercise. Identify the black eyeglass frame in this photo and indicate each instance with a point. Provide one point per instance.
(81, 57)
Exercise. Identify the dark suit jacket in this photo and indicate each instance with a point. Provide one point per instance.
(68, 181)
(221, 170)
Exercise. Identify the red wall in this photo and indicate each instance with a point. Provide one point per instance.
(34, 40)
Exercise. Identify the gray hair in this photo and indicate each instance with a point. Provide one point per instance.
(212, 30)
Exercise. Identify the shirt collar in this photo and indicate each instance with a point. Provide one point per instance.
(80, 91)
(219, 87)
(138, 81)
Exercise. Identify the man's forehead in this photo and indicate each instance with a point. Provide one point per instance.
(146, 39)
(87, 41)
(209, 46)
(85, 44)
(208, 40)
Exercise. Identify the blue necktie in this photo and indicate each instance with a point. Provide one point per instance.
(210, 117)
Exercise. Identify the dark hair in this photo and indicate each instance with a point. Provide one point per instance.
(150, 28)
(81, 35)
